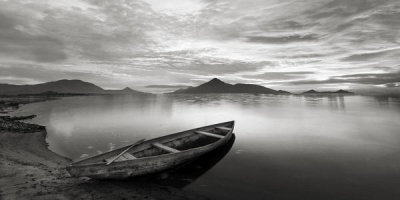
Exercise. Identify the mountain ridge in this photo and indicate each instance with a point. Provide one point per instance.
(63, 86)
(340, 91)
(215, 85)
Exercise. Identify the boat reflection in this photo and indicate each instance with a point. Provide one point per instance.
(188, 173)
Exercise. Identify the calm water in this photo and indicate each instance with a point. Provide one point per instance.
(286, 147)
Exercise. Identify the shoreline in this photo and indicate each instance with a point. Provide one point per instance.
(29, 170)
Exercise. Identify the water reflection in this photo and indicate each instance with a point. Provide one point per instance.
(335, 102)
(287, 147)
(188, 173)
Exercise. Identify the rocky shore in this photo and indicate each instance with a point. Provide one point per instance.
(13, 124)
(29, 170)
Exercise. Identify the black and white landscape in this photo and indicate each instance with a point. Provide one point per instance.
(200, 99)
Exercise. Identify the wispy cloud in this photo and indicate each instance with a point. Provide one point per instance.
(167, 86)
(281, 75)
(18, 43)
(387, 79)
(282, 39)
(117, 43)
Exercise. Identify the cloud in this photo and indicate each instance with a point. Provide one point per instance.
(217, 69)
(177, 6)
(373, 55)
(282, 39)
(392, 85)
(344, 9)
(280, 75)
(118, 43)
(16, 42)
(167, 86)
(368, 79)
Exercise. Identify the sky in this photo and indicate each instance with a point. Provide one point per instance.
(157, 46)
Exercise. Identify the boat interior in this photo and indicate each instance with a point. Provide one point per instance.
(164, 145)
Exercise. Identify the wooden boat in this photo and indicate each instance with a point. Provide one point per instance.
(155, 155)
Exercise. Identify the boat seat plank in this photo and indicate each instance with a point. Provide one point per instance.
(165, 148)
(224, 128)
(118, 159)
(123, 157)
(210, 134)
(129, 156)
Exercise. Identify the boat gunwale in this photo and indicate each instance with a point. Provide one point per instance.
(73, 165)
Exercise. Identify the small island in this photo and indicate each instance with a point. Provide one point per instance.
(215, 85)
(338, 92)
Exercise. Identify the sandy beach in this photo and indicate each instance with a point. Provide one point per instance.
(29, 170)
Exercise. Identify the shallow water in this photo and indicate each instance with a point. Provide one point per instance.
(286, 147)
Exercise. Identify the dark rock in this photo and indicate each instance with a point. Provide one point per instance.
(17, 126)
(8, 118)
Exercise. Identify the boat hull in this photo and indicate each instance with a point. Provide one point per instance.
(143, 166)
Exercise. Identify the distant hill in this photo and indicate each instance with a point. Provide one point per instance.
(328, 92)
(217, 86)
(61, 87)
(126, 90)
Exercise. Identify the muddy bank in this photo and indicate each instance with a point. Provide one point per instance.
(28, 170)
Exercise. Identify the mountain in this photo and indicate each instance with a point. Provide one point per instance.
(126, 90)
(217, 86)
(343, 92)
(327, 92)
(61, 87)
(310, 92)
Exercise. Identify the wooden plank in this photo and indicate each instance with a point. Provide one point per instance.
(110, 160)
(210, 134)
(165, 148)
(121, 158)
(129, 156)
(224, 128)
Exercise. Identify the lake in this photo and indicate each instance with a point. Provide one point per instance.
(285, 147)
